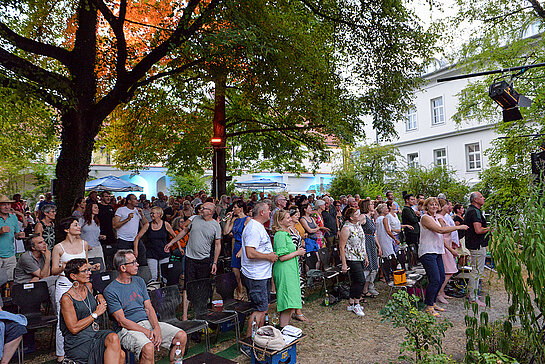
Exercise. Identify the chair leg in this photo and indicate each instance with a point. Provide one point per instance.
(237, 331)
(21, 353)
(207, 337)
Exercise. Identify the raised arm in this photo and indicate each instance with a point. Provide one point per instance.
(427, 222)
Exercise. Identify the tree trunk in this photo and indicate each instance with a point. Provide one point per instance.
(77, 141)
(219, 164)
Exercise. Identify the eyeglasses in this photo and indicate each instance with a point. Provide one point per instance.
(88, 270)
(131, 263)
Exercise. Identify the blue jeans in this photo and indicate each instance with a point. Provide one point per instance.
(433, 264)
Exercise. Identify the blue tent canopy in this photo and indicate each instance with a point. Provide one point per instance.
(112, 184)
(260, 183)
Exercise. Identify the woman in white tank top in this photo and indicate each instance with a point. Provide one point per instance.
(430, 250)
(70, 248)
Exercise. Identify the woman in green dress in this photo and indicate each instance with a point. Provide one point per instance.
(286, 268)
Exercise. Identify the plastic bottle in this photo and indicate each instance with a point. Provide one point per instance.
(178, 356)
(254, 327)
(326, 299)
(266, 319)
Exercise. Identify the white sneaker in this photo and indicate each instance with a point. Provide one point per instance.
(358, 310)
(373, 291)
(350, 308)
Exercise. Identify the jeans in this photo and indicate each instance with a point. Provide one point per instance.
(154, 265)
(357, 277)
(478, 259)
(433, 264)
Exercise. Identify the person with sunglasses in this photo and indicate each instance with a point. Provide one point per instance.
(136, 322)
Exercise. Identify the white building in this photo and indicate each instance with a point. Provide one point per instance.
(429, 136)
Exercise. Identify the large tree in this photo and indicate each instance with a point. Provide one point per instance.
(88, 58)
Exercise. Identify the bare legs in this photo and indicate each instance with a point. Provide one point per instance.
(259, 318)
(180, 337)
(236, 271)
(285, 317)
(113, 352)
(441, 297)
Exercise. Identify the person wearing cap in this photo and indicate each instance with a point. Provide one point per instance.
(9, 230)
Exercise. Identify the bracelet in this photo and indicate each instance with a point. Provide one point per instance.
(215, 263)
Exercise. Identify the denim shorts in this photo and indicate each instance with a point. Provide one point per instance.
(258, 292)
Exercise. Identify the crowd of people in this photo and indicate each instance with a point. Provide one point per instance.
(266, 238)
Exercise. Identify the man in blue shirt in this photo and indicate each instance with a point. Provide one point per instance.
(9, 230)
(128, 302)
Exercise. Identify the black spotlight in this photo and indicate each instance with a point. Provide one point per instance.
(509, 99)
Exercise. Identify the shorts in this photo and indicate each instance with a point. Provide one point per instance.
(13, 330)
(258, 292)
(311, 245)
(134, 341)
(196, 269)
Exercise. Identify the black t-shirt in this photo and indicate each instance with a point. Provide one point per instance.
(461, 233)
(475, 241)
(105, 216)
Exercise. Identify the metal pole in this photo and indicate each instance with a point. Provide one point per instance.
(504, 70)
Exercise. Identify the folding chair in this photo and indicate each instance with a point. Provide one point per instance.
(28, 297)
(329, 272)
(101, 280)
(171, 272)
(165, 301)
(199, 293)
(99, 260)
(225, 286)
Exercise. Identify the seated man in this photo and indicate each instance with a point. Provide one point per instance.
(138, 328)
(35, 264)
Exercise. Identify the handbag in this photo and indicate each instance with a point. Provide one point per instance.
(269, 338)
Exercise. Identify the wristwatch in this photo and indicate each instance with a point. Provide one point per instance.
(94, 316)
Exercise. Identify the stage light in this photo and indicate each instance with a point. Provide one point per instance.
(509, 99)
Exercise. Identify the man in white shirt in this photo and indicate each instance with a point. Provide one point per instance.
(128, 221)
(256, 265)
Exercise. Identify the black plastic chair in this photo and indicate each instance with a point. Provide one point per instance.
(29, 297)
(99, 260)
(171, 272)
(199, 293)
(225, 287)
(165, 301)
(101, 280)
(329, 271)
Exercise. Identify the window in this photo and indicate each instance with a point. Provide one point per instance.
(412, 159)
(440, 157)
(473, 156)
(411, 119)
(437, 111)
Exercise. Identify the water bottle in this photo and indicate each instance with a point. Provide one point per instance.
(254, 327)
(267, 318)
(326, 299)
(178, 356)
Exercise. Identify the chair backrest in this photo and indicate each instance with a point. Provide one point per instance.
(199, 293)
(99, 260)
(225, 286)
(165, 301)
(323, 254)
(171, 272)
(310, 260)
(101, 280)
(335, 255)
(29, 296)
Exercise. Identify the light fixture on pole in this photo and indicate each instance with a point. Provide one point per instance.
(509, 99)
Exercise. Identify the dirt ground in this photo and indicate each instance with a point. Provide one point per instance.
(335, 335)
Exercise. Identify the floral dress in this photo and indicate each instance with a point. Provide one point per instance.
(369, 229)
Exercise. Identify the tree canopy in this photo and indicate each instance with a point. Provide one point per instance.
(283, 66)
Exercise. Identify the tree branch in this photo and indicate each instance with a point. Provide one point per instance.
(273, 129)
(538, 8)
(32, 46)
(321, 14)
(506, 15)
(31, 89)
(28, 70)
(170, 73)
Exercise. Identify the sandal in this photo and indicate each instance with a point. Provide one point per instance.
(301, 317)
(440, 309)
(367, 294)
(432, 312)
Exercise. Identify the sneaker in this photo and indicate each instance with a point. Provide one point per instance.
(373, 291)
(246, 350)
(350, 308)
(358, 310)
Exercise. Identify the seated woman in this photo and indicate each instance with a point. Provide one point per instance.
(83, 341)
